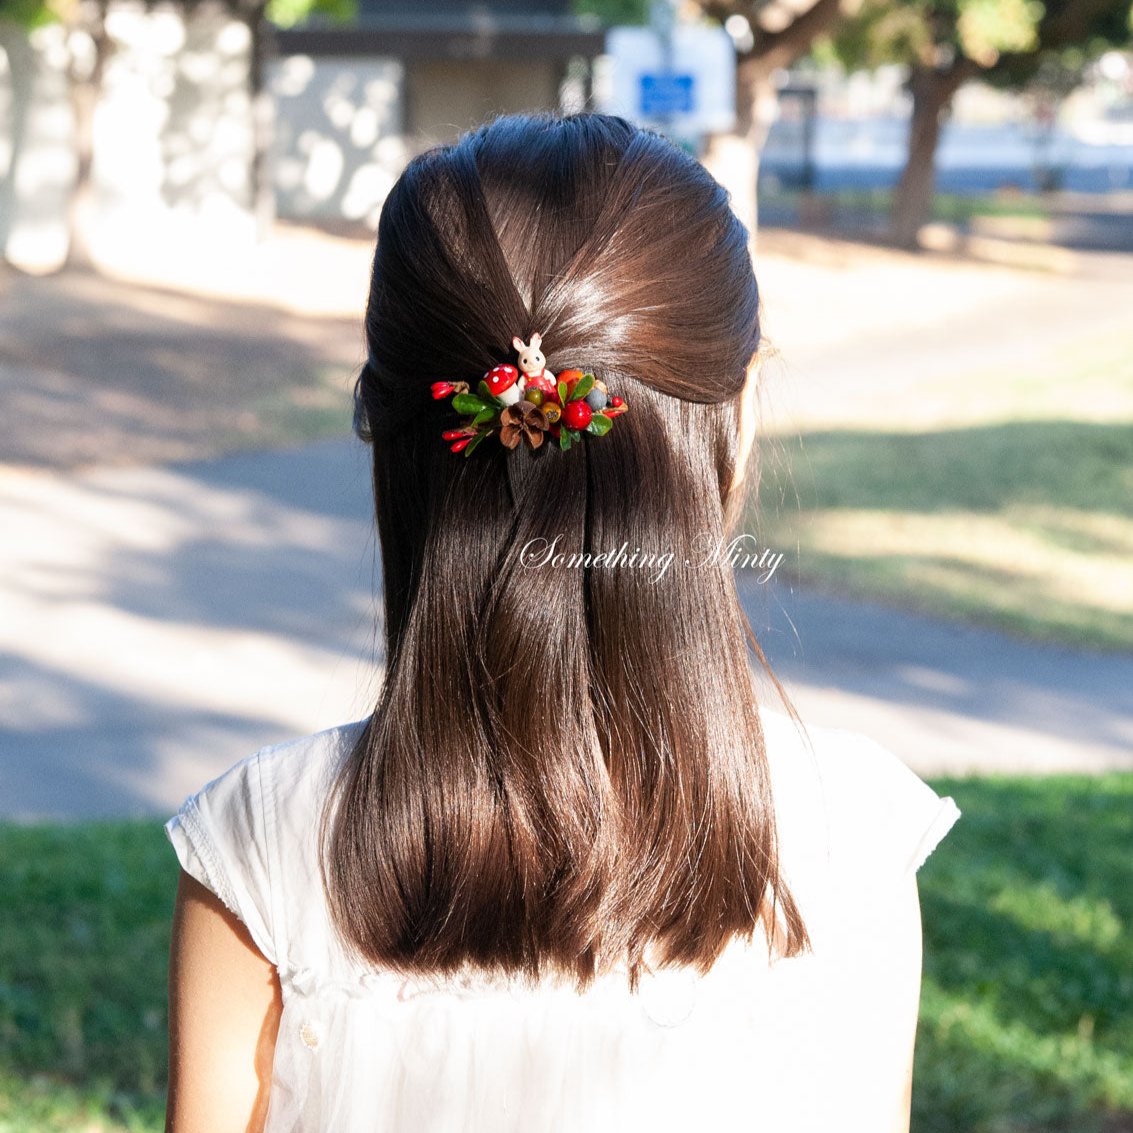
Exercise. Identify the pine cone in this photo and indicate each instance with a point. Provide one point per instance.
(523, 419)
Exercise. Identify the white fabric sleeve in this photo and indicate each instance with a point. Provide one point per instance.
(885, 820)
(220, 835)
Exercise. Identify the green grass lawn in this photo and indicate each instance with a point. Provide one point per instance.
(1027, 1009)
(1027, 1002)
(1002, 497)
(84, 945)
(956, 208)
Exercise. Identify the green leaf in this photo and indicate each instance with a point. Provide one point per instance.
(564, 439)
(467, 403)
(599, 425)
(488, 413)
(287, 13)
(29, 14)
(562, 387)
(485, 391)
(476, 440)
(582, 387)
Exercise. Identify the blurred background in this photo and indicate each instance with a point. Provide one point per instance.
(940, 200)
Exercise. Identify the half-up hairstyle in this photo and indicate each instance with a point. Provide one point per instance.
(565, 765)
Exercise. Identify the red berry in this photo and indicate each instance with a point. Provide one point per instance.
(570, 378)
(441, 389)
(453, 434)
(616, 402)
(459, 446)
(577, 414)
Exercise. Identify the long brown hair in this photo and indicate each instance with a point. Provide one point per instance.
(566, 763)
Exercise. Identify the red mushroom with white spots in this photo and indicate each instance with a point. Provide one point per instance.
(506, 383)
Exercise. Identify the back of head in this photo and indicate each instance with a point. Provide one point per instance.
(566, 763)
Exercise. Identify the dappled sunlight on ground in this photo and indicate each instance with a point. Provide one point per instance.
(945, 696)
(297, 269)
(169, 602)
(987, 563)
(859, 335)
(158, 623)
(96, 371)
(956, 440)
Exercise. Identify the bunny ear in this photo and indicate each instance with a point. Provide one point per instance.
(536, 340)
(518, 343)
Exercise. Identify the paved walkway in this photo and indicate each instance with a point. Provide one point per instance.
(948, 698)
(157, 624)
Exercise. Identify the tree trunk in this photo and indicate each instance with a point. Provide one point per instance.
(734, 158)
(260, 188)
(85, 91)
(21, 58)
(932, 91)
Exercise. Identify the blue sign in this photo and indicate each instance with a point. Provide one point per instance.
(662, 93)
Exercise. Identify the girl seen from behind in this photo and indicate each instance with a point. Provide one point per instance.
(572, 873)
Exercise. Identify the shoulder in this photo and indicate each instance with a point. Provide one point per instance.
(305, 763)
(295, 778)
(276, 784)
(243, 833)
(849, 807)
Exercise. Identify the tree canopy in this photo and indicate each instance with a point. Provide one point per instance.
(284, 13)
(1000, 41)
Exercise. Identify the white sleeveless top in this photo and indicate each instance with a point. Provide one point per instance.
(739, 1048)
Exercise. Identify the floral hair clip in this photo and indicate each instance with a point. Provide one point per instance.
(526, 402)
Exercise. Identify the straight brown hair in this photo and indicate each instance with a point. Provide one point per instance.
(565, 765)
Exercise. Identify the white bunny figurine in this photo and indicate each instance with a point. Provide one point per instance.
(532, 364)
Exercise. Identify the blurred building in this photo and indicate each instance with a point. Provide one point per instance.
(174, 140)
(354, 102)
(174, 143)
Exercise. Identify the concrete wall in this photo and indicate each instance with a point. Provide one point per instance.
(338, 145)
(172, 136)
(174, 140)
